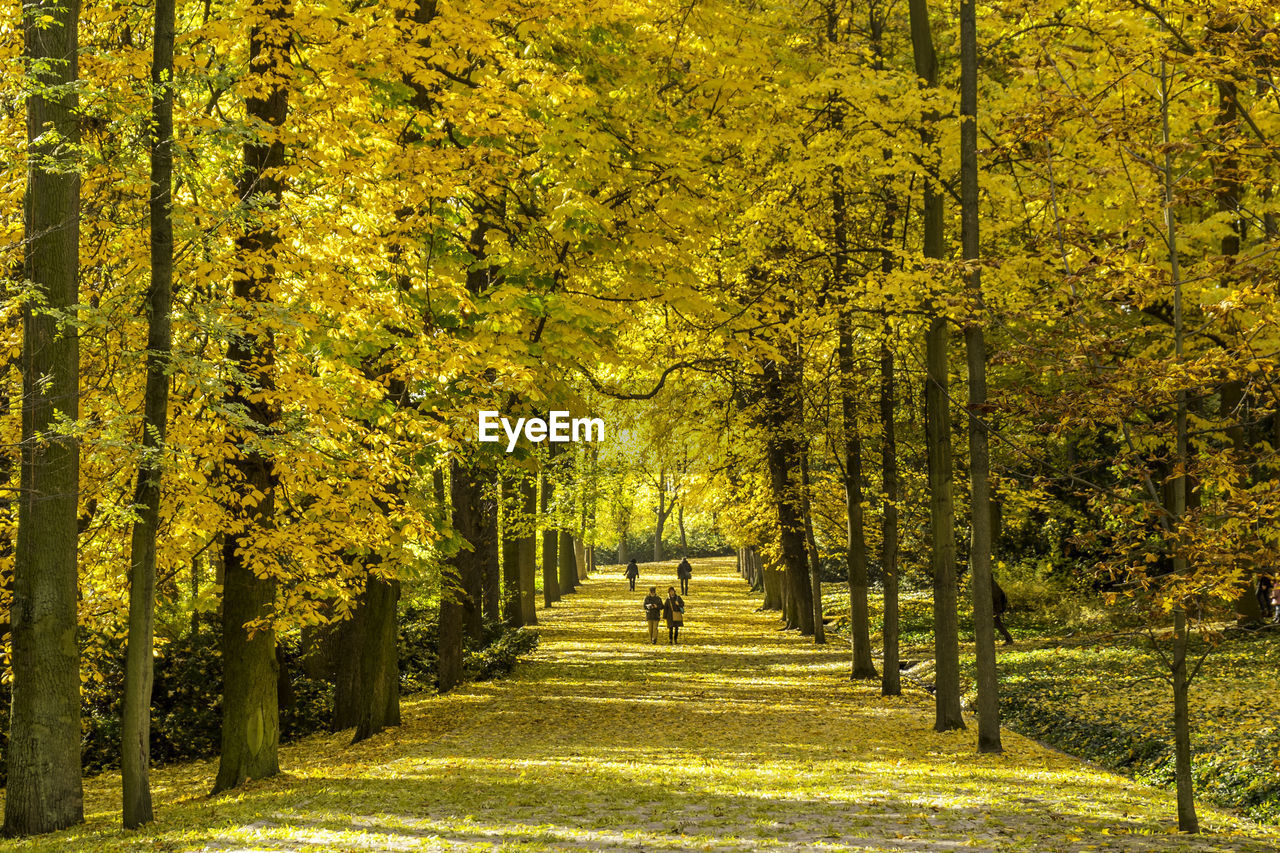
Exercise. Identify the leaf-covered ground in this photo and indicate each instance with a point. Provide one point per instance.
(1097, 690)
(743, 738)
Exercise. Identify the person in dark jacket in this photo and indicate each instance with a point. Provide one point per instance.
(684, 572)
(1265, 587)
(633, 572)
(673, 610)
(999, 604)
(653, 612)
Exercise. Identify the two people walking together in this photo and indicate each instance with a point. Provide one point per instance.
(684, 572)
(656, 608)
(672, 610)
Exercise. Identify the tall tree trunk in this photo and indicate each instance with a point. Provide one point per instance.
(1187, 819)
(568, 565)
(512, 607)
(663, 511)
(1227, 178)
(473, 576)
(772, 580)
(862, 666)
(250, 709)
(890, 683)
(976, 352)
(490, 569)
(815, 559)
(684, 538)
(623, 555)
(781, 386)
(465, 493)
(44, 790)
(527, 552)
(135, 736)
(550, 546)
(379, 659)
(937, 421)
(1185, 782)
(367, 681)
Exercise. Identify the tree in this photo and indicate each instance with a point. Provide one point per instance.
(937, 419)
(250, 708)
(44, 789)
(976, 349)
(135, 738)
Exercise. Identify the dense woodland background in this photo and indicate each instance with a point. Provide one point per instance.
(263, 262)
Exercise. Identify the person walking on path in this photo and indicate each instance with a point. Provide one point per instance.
(999, 604)
(633, 572)
(673, 610)
(684, 572)
(653, 612)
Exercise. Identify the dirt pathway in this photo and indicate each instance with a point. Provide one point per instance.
(742, 738)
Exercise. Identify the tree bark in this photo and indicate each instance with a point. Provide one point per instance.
(976, 353)
(815, 560)
(890, 682)
(527, 552)
(512, 606)
(139, 671)
(550, 546)
(772, 580)
(367, 680)
(663, 511)
(250, 709)
(489, 565)
(568, 564)
(783, 452)
(1187, 819)
(465, 496)
(937, 421)
(684, 538)
(862, 666)
(1185, 782)
(44, 790)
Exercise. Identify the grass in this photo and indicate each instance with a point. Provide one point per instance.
(1099, 692)
(744, 738)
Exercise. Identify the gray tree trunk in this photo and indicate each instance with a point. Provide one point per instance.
(250, 707)
(937, 421)
(44, 789)
(527, 552)
(550, 546)
(781, 387)
(976, 352)
(861, 666)
(890, 682)
(465, 496)
(135, 735)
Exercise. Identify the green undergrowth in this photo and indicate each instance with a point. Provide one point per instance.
(186, 708)
(1111, 703)
(1102, 694)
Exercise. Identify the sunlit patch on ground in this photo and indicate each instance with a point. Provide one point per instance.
(745, 738)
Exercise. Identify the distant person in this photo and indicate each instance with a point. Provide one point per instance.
(1275, 602)
(1265, 587)
(653, 612)
(673, 610)
(999, 604)
(684, 572)
(633, 572)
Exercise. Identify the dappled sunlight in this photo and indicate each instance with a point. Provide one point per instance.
(747, 738)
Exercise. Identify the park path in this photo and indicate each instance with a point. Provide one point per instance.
(742, 738)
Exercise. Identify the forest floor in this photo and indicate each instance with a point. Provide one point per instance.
(743, 737)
